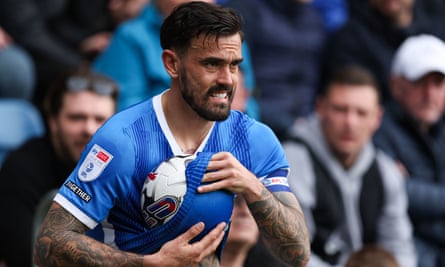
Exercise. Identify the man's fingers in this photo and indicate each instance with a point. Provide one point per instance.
(192, 232)
(211, 241)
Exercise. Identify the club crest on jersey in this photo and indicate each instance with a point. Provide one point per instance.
(94, 163)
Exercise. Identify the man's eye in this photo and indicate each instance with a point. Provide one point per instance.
(211, 64)
(76, 117)
(234, 66)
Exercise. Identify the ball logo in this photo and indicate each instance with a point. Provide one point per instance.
(152, 176)
(163, 191)
(156, 213)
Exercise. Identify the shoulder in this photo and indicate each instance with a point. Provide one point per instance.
(132, 113)
(118, 126)
(391, 175)
(384, 160)
(130, 30)
(240, 125)
(32, 150)
(253, 126)
(140, 26)
(32, 163)
(295, 150)
(391, 130)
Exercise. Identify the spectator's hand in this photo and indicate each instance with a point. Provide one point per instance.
(224, 171)
(179, 251)
(96, 43)
(5, 39)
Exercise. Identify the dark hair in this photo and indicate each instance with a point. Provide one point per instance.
(190, 20)
(89, 81)
(352, 75)
(372, 256)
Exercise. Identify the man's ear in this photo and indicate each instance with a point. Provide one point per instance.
(170, 60)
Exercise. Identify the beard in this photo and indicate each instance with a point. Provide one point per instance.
(68, 156)
(201, 104)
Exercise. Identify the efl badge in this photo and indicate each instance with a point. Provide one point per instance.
(94, 163)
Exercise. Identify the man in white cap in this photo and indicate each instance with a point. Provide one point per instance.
(413, 132)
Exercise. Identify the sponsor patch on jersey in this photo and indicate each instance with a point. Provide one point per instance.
(276, 181)
(94, 163)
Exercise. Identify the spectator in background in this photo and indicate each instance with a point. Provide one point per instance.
(75, 106)
(351, 193)
(123, 10)
(16, 70)
(243, 235)
(375, 30)
(134, 60)
(286, 44)
(20, 119)
(334, 13)
(58, 34)
(372, 256)
(413, 133)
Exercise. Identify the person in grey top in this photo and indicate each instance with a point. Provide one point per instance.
(352, 194)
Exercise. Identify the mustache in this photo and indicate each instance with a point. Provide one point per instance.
(219, 88)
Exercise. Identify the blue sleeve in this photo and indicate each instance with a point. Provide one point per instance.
(268, 157)
(100, 178)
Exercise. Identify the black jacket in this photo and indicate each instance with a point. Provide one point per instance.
(26, 175)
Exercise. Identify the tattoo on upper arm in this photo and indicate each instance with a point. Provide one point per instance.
(281, 221)
(61, 242)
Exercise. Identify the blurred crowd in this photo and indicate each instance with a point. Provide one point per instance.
(354, 89)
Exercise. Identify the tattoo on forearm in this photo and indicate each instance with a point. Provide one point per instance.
(283, 226)
(69, 248)
(210, 261)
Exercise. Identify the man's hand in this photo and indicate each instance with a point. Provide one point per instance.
(278, 215)
(224, 171)
(179, 252)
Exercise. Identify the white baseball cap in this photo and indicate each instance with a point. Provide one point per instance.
(419, 55)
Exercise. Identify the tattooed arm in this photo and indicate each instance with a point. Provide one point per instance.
(61, 242)
(281, 222)
(278, 215)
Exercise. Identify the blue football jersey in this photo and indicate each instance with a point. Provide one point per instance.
(104, 190)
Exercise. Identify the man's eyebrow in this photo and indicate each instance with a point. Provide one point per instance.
(237, 61)
(220, 60)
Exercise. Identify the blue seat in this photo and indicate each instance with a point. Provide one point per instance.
(19, 121)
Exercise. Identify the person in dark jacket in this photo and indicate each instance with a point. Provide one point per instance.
(76, 105)
(61, 35)
(375, 30)
(413, 133)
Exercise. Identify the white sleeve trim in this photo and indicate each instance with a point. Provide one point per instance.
(75, 211)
